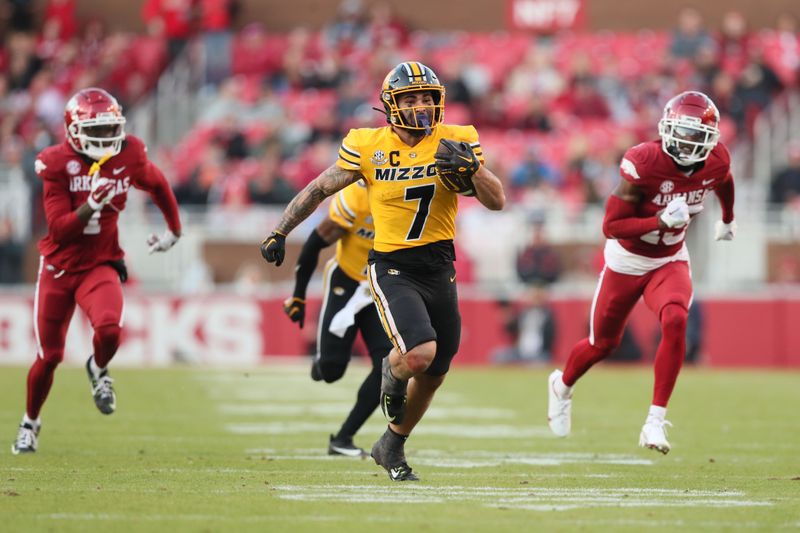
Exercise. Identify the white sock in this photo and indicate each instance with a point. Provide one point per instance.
(657, 412)
(94, 368)
(561, 388)
(28, 420)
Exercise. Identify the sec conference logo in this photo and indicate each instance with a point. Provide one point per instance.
(666, 186)
(73, 166)
(379, 158)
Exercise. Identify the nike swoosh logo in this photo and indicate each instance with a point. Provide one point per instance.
(706, 182)
(467, 159)
(386, 403)
(395, 472)
(118, 170)
(452, 278)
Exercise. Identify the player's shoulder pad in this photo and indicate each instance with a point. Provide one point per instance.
(360, 136)
(51, 161)
(636, 159)
(721, 156)
(459, 133)
(351, 146)
(135, 145)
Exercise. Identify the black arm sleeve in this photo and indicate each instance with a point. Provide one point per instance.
(307, 262)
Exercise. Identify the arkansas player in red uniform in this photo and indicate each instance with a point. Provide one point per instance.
(86, 181)
(663, 185)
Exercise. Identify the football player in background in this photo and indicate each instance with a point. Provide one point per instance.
(663, 185)
(347, 306)
(86, 180)
(413, 197)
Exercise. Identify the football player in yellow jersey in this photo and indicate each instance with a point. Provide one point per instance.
(347, 306)
(411, 267)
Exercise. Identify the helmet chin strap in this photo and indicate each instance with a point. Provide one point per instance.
(382, 112)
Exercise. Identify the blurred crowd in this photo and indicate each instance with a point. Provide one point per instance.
(555, 112)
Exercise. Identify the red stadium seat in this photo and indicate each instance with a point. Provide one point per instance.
(305, 105)
(149, 56)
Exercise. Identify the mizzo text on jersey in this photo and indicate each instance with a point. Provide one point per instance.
(692, 197)
(84, 183)
(405, 173)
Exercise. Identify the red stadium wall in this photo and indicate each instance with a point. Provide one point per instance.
(243, 330)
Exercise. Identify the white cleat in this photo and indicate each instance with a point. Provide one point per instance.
(102, 389)
(654, 435)
(559, 409)
(27, 439)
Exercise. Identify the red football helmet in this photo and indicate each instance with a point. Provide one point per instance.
(689, 129)
(94, 123)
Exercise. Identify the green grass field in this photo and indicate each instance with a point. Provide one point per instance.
(213, 450)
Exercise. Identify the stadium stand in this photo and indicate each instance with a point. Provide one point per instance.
(286, 98)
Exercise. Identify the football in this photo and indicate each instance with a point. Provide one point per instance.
(455, 165)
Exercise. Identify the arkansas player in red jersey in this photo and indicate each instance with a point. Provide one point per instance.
(86, 181)
(663, 185)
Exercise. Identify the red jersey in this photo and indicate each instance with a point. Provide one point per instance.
(660, 180)
(74, 245)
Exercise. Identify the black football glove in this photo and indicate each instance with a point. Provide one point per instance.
(295, 309)
(456, 163)
(273, 248)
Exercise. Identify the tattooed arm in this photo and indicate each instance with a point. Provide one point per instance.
(331, 181)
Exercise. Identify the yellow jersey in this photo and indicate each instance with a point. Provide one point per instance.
(410, 206)
(349, 208)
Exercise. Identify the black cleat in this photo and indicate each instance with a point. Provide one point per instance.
(27, 438)
(393, 394)
(344, 446)
(388, 453)
(102, 389)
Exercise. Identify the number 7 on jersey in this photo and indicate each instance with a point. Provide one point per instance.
(423, 194)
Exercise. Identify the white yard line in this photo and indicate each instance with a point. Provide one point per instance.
(339, 409)
(678, 523)
(132, 518)
(439, 457)
(318, 518)
(494, 431)
(476, 459)
(526, 498)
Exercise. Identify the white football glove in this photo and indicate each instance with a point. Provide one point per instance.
(102, 192)
(695, 209)
(163, 243)
(102, 189)
(724, 232)
(677, 213)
